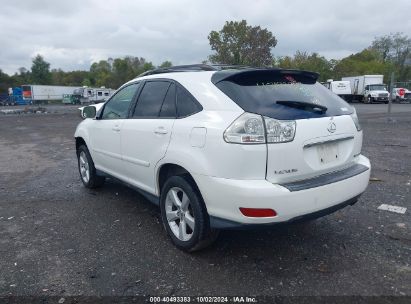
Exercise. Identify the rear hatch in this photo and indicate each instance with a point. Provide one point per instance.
(326, 137)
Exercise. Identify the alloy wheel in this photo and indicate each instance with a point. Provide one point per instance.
(84, 167)
(179, 214)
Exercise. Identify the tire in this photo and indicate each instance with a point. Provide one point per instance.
(87, 170)
(181, 204)
(368, 99)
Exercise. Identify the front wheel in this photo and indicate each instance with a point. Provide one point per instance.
(368, 99)
(87, 170)
(184, 214)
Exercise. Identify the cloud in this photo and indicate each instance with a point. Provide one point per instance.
(72, 34)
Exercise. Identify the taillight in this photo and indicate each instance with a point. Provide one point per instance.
(254, 129)
(279, 131)
(246, 129)
(354, 118)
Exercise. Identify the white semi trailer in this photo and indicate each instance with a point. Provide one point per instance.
(45, 93)
(341, 88)
(368, 88)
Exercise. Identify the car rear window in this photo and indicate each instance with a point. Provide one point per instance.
(281, 95)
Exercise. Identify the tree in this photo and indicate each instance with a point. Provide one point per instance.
(309, 62)
(166, 64)
(5, 82)
(396, 50)
(100, 73)
(40, 71)
(22, 77)
(241, 44)
(75, 78)
(368, 61)
(58, 77)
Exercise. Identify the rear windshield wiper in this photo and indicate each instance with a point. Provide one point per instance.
(307, 106)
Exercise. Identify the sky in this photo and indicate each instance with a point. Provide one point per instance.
(72, 34)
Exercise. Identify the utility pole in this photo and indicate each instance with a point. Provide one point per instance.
(389, 93)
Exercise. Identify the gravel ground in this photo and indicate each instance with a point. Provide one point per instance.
(58, 238)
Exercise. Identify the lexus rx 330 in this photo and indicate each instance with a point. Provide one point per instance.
(218, 149)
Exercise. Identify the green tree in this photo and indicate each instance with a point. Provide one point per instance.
(22, 77)
(75, 78)
(166, 64)
(147, 67)
(87, 82)
(121, 72)
(100, 73)
(40, 71)
(241, 44)
(309, 62)
(368, 61)
(5, 82)
(396, 50)
(127, 68)
(58, 77)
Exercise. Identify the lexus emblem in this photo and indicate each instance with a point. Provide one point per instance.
(332, 127)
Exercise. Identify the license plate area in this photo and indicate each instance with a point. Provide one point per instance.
(327, 153)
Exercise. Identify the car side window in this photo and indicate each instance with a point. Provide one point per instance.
(186, 103)
(151, 99)
(117, 107)
(168, 109)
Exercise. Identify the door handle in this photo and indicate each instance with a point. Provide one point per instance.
(160, 130)
(116, 128)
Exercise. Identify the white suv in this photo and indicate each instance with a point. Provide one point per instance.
(219, 149)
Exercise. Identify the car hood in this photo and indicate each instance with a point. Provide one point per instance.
(378, 92)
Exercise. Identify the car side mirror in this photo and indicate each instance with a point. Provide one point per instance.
(88, 112)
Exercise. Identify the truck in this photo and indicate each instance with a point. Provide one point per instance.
(92, 95)
(14, 97)
(341, 88)
(400, 95)
(70, 99)
(368, 88)
(36, 94)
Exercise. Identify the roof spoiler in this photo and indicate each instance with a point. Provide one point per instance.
(233, 74)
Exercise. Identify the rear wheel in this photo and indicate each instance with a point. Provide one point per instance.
(87, 170)
(184, 214)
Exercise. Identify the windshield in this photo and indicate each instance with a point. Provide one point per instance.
(282, 96)
(377, 87)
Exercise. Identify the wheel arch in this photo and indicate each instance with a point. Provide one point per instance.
(167, 170)
(80, 141)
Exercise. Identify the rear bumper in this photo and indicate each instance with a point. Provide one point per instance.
(224, 197)
(219, 223)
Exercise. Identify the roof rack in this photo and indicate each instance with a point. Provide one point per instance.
(180, 68)
(192, 68)
(230, 66)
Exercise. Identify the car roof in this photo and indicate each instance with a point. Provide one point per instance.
(200, 80)
(221, 72)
